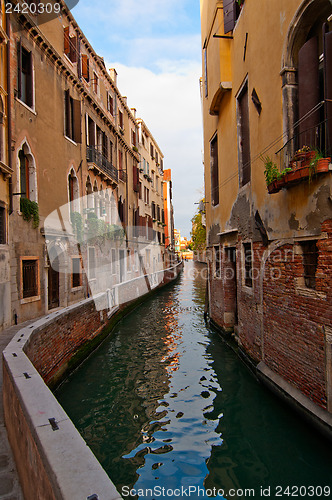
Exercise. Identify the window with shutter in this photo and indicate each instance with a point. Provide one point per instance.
(308, 76)
(72, 118)
(25, 75)
(66, 41)
(328, 90)
(2, 225)
(214, 171)
(85, 67)
(244, 137)
(229, 15)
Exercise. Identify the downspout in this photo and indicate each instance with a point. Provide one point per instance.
(9, 117)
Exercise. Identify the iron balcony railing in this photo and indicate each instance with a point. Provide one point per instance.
(96, 157)
(315, 138)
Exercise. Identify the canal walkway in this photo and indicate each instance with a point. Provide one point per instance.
(10, 488)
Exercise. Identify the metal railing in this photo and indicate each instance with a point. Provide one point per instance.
(96, 157)
(315, 138)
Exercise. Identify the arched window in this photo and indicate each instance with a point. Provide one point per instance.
(27, 174)
(73, 191)
(307, 78)
(89, 195)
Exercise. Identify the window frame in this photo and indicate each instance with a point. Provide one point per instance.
(30, 298)
(73, 286)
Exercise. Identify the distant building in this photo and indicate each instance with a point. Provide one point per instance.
(86, 185)
(168, 210)
(177, 241)
(266, 90)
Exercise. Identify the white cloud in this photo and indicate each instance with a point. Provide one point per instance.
(169, 103)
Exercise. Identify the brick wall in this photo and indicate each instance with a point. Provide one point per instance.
(280, 320)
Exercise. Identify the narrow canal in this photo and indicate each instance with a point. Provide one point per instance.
(166, 403)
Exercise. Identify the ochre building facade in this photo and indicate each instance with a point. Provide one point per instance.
(266, 90)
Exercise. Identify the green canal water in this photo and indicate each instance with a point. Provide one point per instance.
(170, 411)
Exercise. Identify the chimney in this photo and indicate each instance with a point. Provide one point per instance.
(114, 75)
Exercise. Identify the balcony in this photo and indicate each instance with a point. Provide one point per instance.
(97, 161)
(304, 157)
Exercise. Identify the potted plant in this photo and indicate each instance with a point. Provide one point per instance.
(271, 173)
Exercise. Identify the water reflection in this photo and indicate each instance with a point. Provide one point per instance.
(165, 402)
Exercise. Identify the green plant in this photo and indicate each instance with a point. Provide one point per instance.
(77, 223)
(313, 163)
(30, 210)
(283, 173)
(135, 149)
(271, 171)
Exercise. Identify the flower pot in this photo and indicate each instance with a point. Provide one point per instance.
(322, 165)
(272, 187)
(303, 158)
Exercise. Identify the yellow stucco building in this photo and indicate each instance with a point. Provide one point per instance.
(266, 91)
(5, 174)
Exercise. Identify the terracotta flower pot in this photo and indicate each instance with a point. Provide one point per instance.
(323, 165)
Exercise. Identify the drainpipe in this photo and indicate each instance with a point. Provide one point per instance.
(9, 116)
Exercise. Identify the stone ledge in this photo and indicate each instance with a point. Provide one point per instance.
(318, 417)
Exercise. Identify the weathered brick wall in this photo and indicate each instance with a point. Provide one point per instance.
(249, 314)
(50, 348)
(280, 320)
(295, 320)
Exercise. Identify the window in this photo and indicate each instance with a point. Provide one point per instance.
(214, 171)
(110, 104)
(24, 175)
(95, 83)
(247, 264)
(91, 263)
(76, 280)
(140, 190)
(72, 118)
(2, 225)
(85, 67)
(310, 261)
(244, 136)
(70, 45)
(25, 76)
(151, 151)
(205, 70)
(157, 157)
(133, 137)
(113, 261)
(30, 277)
(121, 119)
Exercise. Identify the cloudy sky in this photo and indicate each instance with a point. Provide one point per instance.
(155, 47)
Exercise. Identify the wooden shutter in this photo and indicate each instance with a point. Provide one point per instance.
(67, 114)
(77, 121)
(66, 40)
(328, 90)
(85, 67)
(244, 136)
(73, 49)
(229, 15)
(19, 69)
(214, 171)
(135, 178)
(308, 73)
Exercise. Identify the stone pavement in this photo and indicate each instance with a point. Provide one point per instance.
(10, 488)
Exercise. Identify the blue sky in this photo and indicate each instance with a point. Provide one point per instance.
(155, 47)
